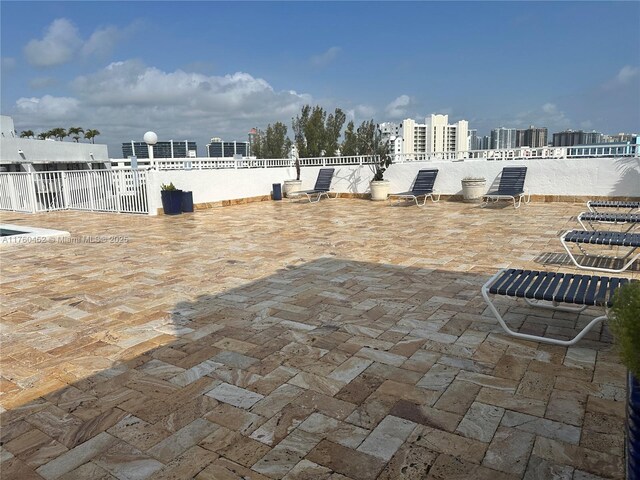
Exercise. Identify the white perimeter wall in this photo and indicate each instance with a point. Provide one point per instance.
(51, 151)
(601, 177)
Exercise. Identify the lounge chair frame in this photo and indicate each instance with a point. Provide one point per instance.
(614, 239)
(422, 187)
(321, 188)
(592, 218)
(550, 290)
(511, 187)
(594, 205)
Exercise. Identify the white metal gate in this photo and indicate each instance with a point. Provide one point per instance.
(122, 191)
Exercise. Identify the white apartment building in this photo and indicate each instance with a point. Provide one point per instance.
(442, 137)
(435, 135)
(414, 136)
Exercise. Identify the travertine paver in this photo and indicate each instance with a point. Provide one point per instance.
(344, 340)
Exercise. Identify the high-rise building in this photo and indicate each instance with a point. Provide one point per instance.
(221, 149)
(413, 136)
(591, 138)
(569, 138)
(624, 137)
(503, 138)
(531, 137)
(445, 137)
(389, 129)
(473, 140)
(435, 135)
(170, 149)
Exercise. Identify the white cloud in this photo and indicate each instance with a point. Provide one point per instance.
(101, 42)
(625, 76)
(126, 99)
(325, 58)
(48, 108)
(58, 45)
(398, 107)
(61, 43)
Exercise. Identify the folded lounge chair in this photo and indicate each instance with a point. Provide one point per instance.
(595, 205)
(422, 187)
(550, 290)
(322, 186)
(591, 218)
(613, 239)
(511, 187)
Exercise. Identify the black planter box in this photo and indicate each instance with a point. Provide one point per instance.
(187, 201)
(171, 201)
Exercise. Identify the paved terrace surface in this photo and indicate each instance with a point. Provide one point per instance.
(340, 340)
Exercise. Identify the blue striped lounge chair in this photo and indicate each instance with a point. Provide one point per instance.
(511, 187)
(321, 188)
(552, 290)
(596, 205)
(422, 187)
(615, 218)
(603, 238)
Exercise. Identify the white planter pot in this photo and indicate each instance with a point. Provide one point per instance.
(379, 190)
(291, 186)
(473, 190)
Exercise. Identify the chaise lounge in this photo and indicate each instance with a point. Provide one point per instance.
(603, 238)
(511, 187)
(594, 205)
(422, 187)
(550, 290)
(321, 188)
(590, 218)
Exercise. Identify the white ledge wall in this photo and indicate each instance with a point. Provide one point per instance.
(51, 151)
(600, 177)
(606, 177)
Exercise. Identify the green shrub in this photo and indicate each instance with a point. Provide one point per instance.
(625, 325)
(171, 187)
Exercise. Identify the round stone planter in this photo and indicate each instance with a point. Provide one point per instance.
(379, 190)
(291, 186)
(473, 190)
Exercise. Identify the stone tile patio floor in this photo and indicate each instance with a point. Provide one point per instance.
(342, 340)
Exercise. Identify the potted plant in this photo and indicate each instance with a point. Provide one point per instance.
(171, 199)
(379, 186)
(473, 188)
(293, 185)
(625, 326)
(370, 139)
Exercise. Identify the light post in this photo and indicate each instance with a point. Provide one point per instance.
(151, 139)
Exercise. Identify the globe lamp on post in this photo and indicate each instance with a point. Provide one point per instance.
(151, 139)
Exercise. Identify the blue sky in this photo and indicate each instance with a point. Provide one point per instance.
(194, 70)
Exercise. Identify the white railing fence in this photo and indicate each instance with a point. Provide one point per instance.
(207, 163)
(122, 191)
(520, 153)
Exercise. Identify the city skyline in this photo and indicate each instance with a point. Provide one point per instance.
(125, 68)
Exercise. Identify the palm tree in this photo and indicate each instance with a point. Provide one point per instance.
(91, 134)
(59, 133)
(75, 133)
(27, 134)
(43, 135)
